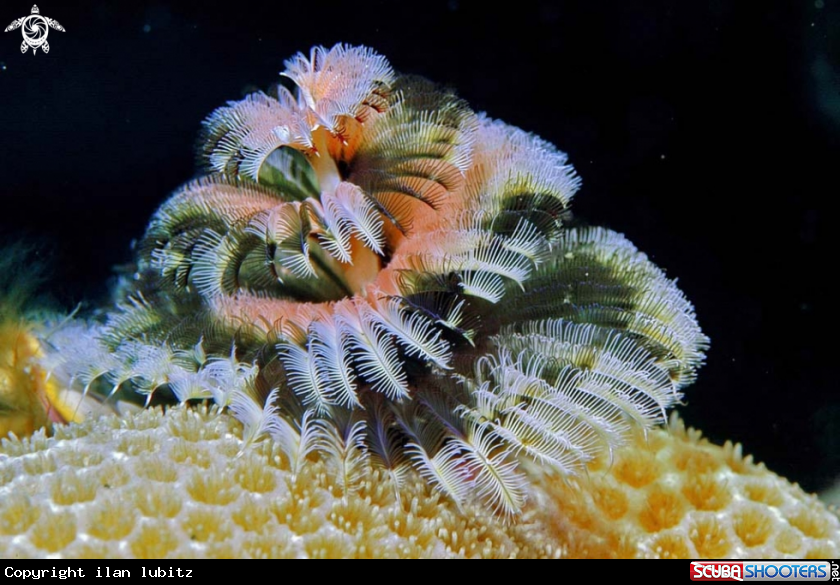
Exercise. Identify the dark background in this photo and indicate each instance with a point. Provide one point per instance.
(707, 132)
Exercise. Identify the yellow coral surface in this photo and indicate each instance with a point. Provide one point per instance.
(184, 484)
(673, 494)
(26, 395)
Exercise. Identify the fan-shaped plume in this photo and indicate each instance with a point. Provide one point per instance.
(444, 469)
(244, 405)
(297, 441)
(342, 82)
(597, 276)
(497, 480)
(342, 444)
(397, 281)
(384, 440)
(238, 138)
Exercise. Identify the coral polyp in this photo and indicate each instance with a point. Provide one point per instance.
(370, 270)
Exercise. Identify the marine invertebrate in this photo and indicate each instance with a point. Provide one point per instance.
(384, 282)
(186, 484)
(336, 279)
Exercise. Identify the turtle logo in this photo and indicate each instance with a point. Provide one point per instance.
(35, 28)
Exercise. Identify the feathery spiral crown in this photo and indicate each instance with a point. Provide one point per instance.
(372, 271)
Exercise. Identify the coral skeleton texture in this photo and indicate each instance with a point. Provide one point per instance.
(383, 287)
(186, 485)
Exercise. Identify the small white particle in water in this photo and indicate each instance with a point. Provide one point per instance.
(147, 28)
(3, 66)
(819, 4)
(661, 157)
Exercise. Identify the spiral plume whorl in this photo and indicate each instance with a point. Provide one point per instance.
(371, 271)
